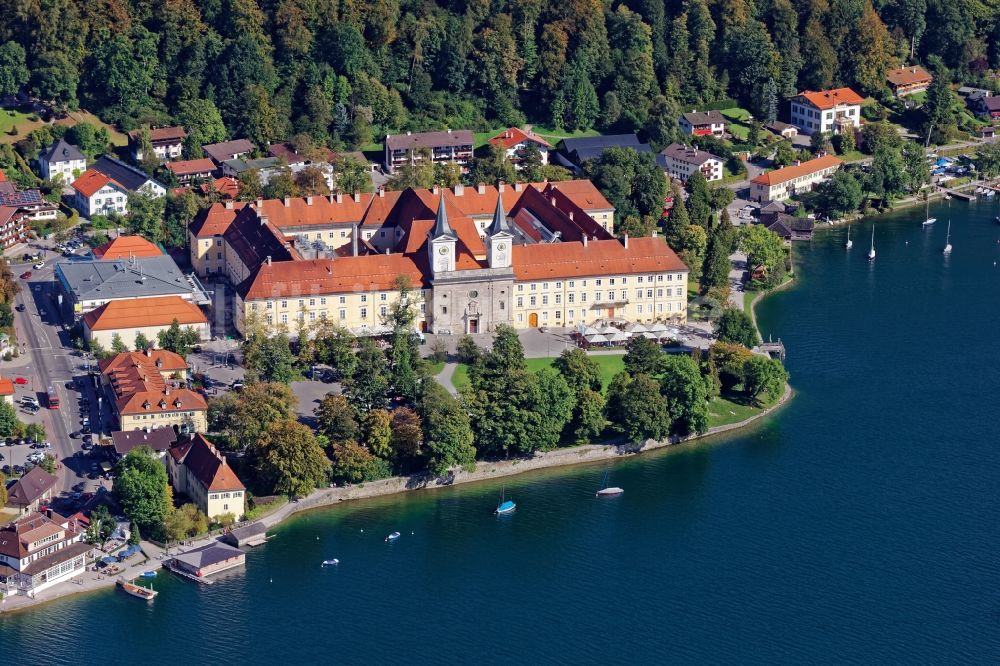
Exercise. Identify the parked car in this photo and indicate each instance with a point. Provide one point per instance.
(39, 266)
(26, 275)
(21, 381)
(19, 307)
(76, 434)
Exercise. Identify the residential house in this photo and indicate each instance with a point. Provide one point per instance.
(31, 491)
(228, 150)
(791, 228)
(225, 187)
(146, 316)
(85, 284)
(104, 187)
(572, 153)
(12, 227)
(784, 130)
(30, 204)
(411, 148)
(147, 390)
(266, 167)
(158, 440)
(984, 105)
(703, 123)
(38, 551)
(680, 161)
(7, 390)
(908, 80)
(167, 142)
(62, 160)
(197, 469)
(127, 247)
(514, 141)
(827, 111)
(782, 183)
(188, 170)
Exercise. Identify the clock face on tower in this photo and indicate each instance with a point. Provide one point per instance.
(443, 251)
(501, 247)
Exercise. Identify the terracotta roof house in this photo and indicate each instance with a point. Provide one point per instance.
(104, 187)
(410, 148)
(200, 471)
(7, 390)
(228, 150)
(826, 111)
(167, 142)
(63, 160)
(908, 80)
(31, 490)
(188, 170)
(148, 316)
(147, 390)
(514, 140)
(126, 247)
(159, 440)
(38, 551)
(782, 183)
(703, 123)
(225, 187)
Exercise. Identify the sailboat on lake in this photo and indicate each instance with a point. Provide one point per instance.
(849, 244)
(608, 491)
(947, 240)
(927, 209)
(871, 252)
(505, 505)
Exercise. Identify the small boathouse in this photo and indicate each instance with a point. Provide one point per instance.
(253, 534)
(207, 560)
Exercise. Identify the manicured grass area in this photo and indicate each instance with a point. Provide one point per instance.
(748, 297)
(736, 113)
(723, 411)
(10, 118)
(435, 367)
(74, 117)
(611, 364)
(738, 122)
(854, 156)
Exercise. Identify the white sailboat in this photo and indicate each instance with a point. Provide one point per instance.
(849, 244)
(927, 218)
(947, 240)
(871, 252)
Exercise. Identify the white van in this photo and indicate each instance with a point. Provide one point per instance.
(30, 400)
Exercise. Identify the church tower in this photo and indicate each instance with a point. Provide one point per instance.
(501, 236)
(441, 242)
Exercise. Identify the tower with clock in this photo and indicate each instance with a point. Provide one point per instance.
(441, 242)
(501, 237)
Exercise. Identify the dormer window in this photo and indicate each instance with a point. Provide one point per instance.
(177, 402)
(163, 404)
(145, 404)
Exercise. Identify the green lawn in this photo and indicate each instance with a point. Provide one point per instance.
(611, 365)
(10, 118)
(854, 156)
(748, 297)
(736, 113)
(738, 119)
(434, 367)
(723, 411)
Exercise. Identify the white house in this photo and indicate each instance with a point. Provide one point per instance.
(39, 550)
(514, 140)
(680, 161)
(828, 111)
(62, 159)
(703, 123)
(96, 194)
(780, 184)
(167, 142)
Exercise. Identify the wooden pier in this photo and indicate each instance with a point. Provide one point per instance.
(774, 348)
(964, 196)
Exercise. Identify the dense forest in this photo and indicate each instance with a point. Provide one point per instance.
(346, 72)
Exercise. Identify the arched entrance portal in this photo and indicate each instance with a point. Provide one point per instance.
(533, 320)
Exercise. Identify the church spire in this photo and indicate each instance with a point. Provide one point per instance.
(500, 223)
(441, 227)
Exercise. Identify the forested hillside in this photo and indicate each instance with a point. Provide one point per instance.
(346, 71)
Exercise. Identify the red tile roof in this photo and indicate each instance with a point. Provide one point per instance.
(162, 134)
(31, 487)
(90, 181)
(375, 272)
(795, 171)
(137, 381)
(907, 76)
(827, 99)
(512, 136)
(189, 167)
(125, 247)
(214, 220)
(206, 464)
(227, 187)
(597, 258)
(6, 386)
(314, 211)
(143, 312)
(3, 176)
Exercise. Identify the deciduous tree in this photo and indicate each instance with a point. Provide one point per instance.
(288, 460)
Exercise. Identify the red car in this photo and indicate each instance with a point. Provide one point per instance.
(26, 275)
(20, 380)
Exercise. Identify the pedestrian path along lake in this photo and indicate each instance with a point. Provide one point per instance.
(856, 525)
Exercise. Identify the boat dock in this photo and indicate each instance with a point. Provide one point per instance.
(774, 348)
(169, 565)
(965, 196)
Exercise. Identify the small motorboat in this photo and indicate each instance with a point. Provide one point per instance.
(998, 219)
(331, 563)
(505, 505)
(143, 593)
(148, 574)
(392, 537)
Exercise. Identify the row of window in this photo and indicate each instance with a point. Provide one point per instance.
(640, 309)
(571, 298)
(668, 277)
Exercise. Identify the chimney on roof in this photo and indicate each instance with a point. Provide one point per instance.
(625, 241)
(381, 192)
(260, 203)
(553, 200)
(263, 220)
(585, 238)
(229, 204)
(287, 201)
(654, 233)
(340, 197)
(481, 188)
(449, 130)
(408, 132)
(459, 190)
(309, 201)
(571, 216)
(329, 198)
(518, 187)
(166, 391)
(268, 260)
(500, 187)
(149, 351)
(435, 190)
(357, 197)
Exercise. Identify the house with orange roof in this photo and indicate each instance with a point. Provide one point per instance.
(147, 316)
(97, 194)
(780, 184)
(908, 80)
(147, 389)
(7, 390)
(127, 247)
(827, 111)
(199, 470)
(189, 170)
(514, 140)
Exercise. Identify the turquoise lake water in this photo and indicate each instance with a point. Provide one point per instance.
(859, 524)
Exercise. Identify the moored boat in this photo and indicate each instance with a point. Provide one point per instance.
(331, 563)
(392, 537)
(144, 593)
(505, 505)
(608, 491)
